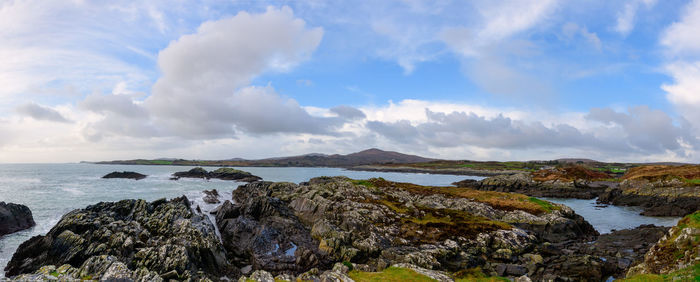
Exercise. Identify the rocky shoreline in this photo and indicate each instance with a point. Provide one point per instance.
(525, 184)
(665, 196)
(129, 239)
(658, 198)
(450, 171)
(331, 228)
(14, 218)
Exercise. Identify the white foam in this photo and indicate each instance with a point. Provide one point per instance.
(15, 180)
(73, 191)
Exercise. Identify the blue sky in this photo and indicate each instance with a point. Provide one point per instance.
(501, 80)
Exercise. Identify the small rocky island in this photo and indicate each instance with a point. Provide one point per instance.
(224, 173)
(125, 174)
(338, 229)
(14, 217)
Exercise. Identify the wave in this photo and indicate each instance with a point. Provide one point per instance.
(14, 180)
(73, 191)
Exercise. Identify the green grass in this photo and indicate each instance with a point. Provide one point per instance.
(161, 162)
(476, 275)
(53, 273)
(366, 183)
(690, 273)
(483, 279)
(547, 206)
(393, 206)
(692, 181)
(691, 220)
(391, 274)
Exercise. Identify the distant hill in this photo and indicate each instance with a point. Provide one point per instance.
(575, 160)
(366, 157)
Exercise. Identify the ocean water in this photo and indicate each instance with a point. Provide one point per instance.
(52, 190)
(606, 218)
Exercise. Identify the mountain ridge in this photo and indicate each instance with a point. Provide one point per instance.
(365, 157)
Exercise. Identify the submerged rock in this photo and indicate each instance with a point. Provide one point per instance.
(224, 173)
(14, 217)
(125, 174)
(211, 196)
(129, 238)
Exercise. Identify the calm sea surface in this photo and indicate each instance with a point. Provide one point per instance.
(51, 190)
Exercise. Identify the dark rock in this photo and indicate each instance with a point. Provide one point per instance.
(125, 174)
(161, 237)
(653, 205)
(467, 183)
(658, 198)
(612, 254)
(332, 219)
(265, 233)
(211, 196)
(14, 217)
(523, 183)
(224, 173)
(196, 172)
(515, 270)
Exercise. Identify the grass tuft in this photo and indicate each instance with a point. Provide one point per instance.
(391, 274)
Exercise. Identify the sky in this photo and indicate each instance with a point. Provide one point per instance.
(480, 80)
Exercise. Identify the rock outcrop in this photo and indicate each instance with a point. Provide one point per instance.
(211, 196)
(224, 173)
(285, 228)
(525, 183)
(322, 229)
(130, 239)
(663, 197)
(14, 217)
(676, 255)
(125, 174)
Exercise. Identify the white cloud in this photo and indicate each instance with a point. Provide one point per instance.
(572, 31)
(684, 92)
(626, 17)
(203, 90)
(608, 133)
(682, 44)
(503, 20)
(681, 38)
(66, 44)
(485, 52)
(39, 112)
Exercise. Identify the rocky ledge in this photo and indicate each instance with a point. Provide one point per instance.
(14, 217)
(224, 173)
(567, 182)
(125, 174)
(331, 229)
(671, 197)
(675, 257)
(285, 228)
(129, 239)
(662, 190)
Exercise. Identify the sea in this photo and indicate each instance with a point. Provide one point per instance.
(52, 190)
